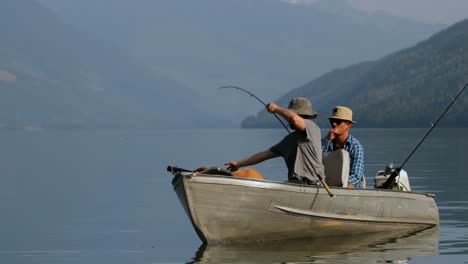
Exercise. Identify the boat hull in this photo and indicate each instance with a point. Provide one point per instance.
(227, 209)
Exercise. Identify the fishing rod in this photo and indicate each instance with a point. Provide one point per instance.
(258, 99)
(289, 132)
(389, 182)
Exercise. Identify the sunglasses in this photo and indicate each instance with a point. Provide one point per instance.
(336, 121)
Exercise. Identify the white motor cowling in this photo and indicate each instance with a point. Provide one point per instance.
(401, 181)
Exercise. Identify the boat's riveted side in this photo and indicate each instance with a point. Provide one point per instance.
(224, 208)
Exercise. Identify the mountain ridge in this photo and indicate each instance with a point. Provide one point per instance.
(407, 88)
(67, 78)
(55, 74)
(271, 45)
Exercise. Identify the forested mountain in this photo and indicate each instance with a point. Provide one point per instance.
(52, 75)
(268, 45)
(409, 88)
(151, 63)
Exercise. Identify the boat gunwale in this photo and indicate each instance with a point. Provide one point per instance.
(286, 186)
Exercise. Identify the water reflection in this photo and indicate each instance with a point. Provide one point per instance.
(368, 248)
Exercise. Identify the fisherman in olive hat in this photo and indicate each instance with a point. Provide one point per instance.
(339, 137)
(300, 149)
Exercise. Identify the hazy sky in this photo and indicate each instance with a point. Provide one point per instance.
(435, 11)
(444, 11)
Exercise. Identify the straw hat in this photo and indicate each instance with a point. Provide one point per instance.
(302, 106)
(342, 113)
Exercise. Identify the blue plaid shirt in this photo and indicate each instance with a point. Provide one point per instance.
(356, 155)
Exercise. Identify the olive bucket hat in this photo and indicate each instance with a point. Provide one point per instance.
(302, 106)
(342, 113)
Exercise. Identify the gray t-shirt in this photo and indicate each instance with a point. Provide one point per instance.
(302, 161)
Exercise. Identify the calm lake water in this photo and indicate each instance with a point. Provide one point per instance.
(104, 196)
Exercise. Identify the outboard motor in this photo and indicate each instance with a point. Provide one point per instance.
(401, 181)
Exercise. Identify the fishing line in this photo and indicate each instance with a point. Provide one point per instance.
(388, 183)
(289, 132)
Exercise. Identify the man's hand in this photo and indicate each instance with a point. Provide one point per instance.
(272, 107)
(333, 133)
(232, 165)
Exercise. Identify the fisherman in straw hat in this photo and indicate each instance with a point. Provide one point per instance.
(339, 137)
(300, 149)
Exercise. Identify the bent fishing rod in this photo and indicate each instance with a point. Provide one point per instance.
(258, 99)
(388, 184)
(322, 181)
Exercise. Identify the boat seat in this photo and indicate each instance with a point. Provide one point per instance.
(337, 167)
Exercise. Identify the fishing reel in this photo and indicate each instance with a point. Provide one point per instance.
(389, 169)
